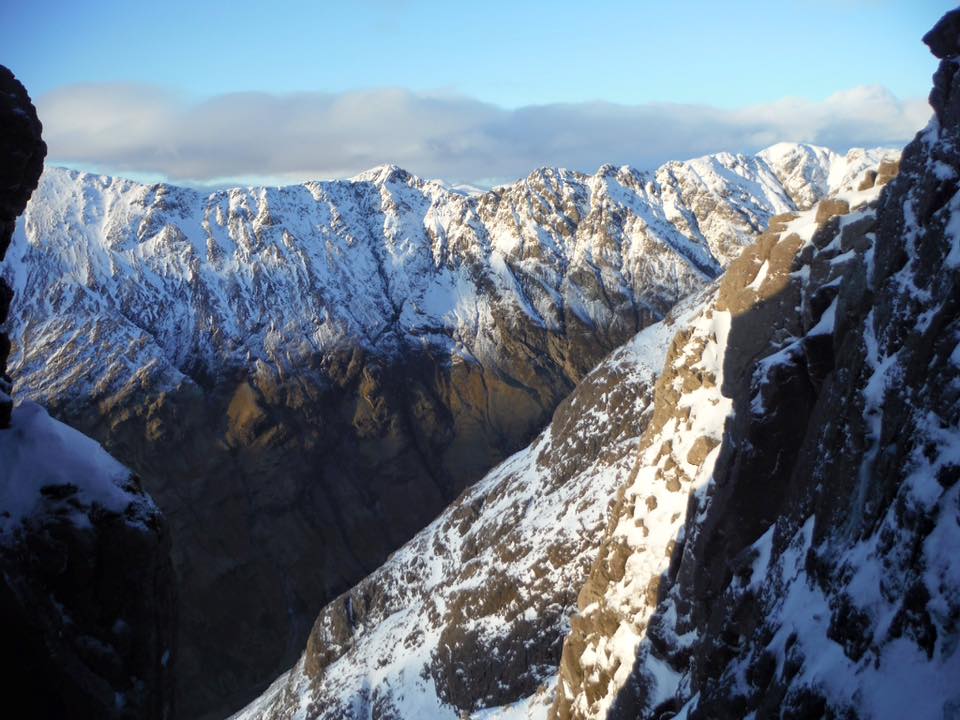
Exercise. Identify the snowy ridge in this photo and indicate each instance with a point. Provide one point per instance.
(787, 544)
(51, 469)
(175, 282)
(450, 624)
(676, 463)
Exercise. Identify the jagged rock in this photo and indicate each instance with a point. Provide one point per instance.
(700, 449)
(813, 570)
(944, 38)
(831, 208)
(22, 151)
(887, 171)
(869, 180)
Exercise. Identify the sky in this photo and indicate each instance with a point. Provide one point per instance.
(208, 93)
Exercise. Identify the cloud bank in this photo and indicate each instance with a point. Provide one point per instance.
(257, 137)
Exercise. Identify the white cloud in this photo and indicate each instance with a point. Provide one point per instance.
(129, 129)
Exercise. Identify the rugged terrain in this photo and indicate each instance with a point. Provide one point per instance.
(467, 617)
(471, 613)
(787, 546)
(784, 539)
(305, 376)
(86, 582)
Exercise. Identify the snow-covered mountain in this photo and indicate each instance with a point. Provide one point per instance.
(181, 282)
(785, 523)
(305, 376)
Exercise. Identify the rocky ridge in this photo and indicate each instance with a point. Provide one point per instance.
(288, 368)
(799, 557)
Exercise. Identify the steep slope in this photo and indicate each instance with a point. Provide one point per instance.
(86, 582)
(803, 457)
(305, 376)
(471, 613)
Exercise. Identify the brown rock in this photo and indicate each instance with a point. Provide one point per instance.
(830, 208)
(887, 171)
(701, 448)
(869, 180)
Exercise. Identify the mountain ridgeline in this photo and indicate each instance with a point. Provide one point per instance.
(305, 376)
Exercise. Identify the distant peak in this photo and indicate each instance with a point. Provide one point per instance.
(383, 174)
(786, 149)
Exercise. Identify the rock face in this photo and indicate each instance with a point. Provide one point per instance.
(22, 150)
(305, 376)
(471, 613)
(804, 562)
(86, 582)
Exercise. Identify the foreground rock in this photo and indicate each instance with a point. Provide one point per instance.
(86, 582)
(22, 151)
(800, 558)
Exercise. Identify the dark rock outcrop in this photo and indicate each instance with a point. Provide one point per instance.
(22, 151)
(86, 582)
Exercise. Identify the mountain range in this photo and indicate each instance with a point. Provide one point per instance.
(304, 377)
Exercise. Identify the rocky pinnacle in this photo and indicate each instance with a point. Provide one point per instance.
(22, 151)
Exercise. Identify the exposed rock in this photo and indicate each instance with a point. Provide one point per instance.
(831, 208)
(814, 569)
(944, 38)
(887, 171)
(869, 180)
(86, 582)
(22, 151)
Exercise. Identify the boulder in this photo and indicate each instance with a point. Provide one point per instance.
(831, 208)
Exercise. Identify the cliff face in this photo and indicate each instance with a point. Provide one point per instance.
(86, 582)
(304, 377)
(787, 546)
(22, 150)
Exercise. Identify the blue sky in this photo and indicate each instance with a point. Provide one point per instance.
(494, 67)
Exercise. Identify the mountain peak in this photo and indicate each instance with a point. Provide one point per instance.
(384, 174)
